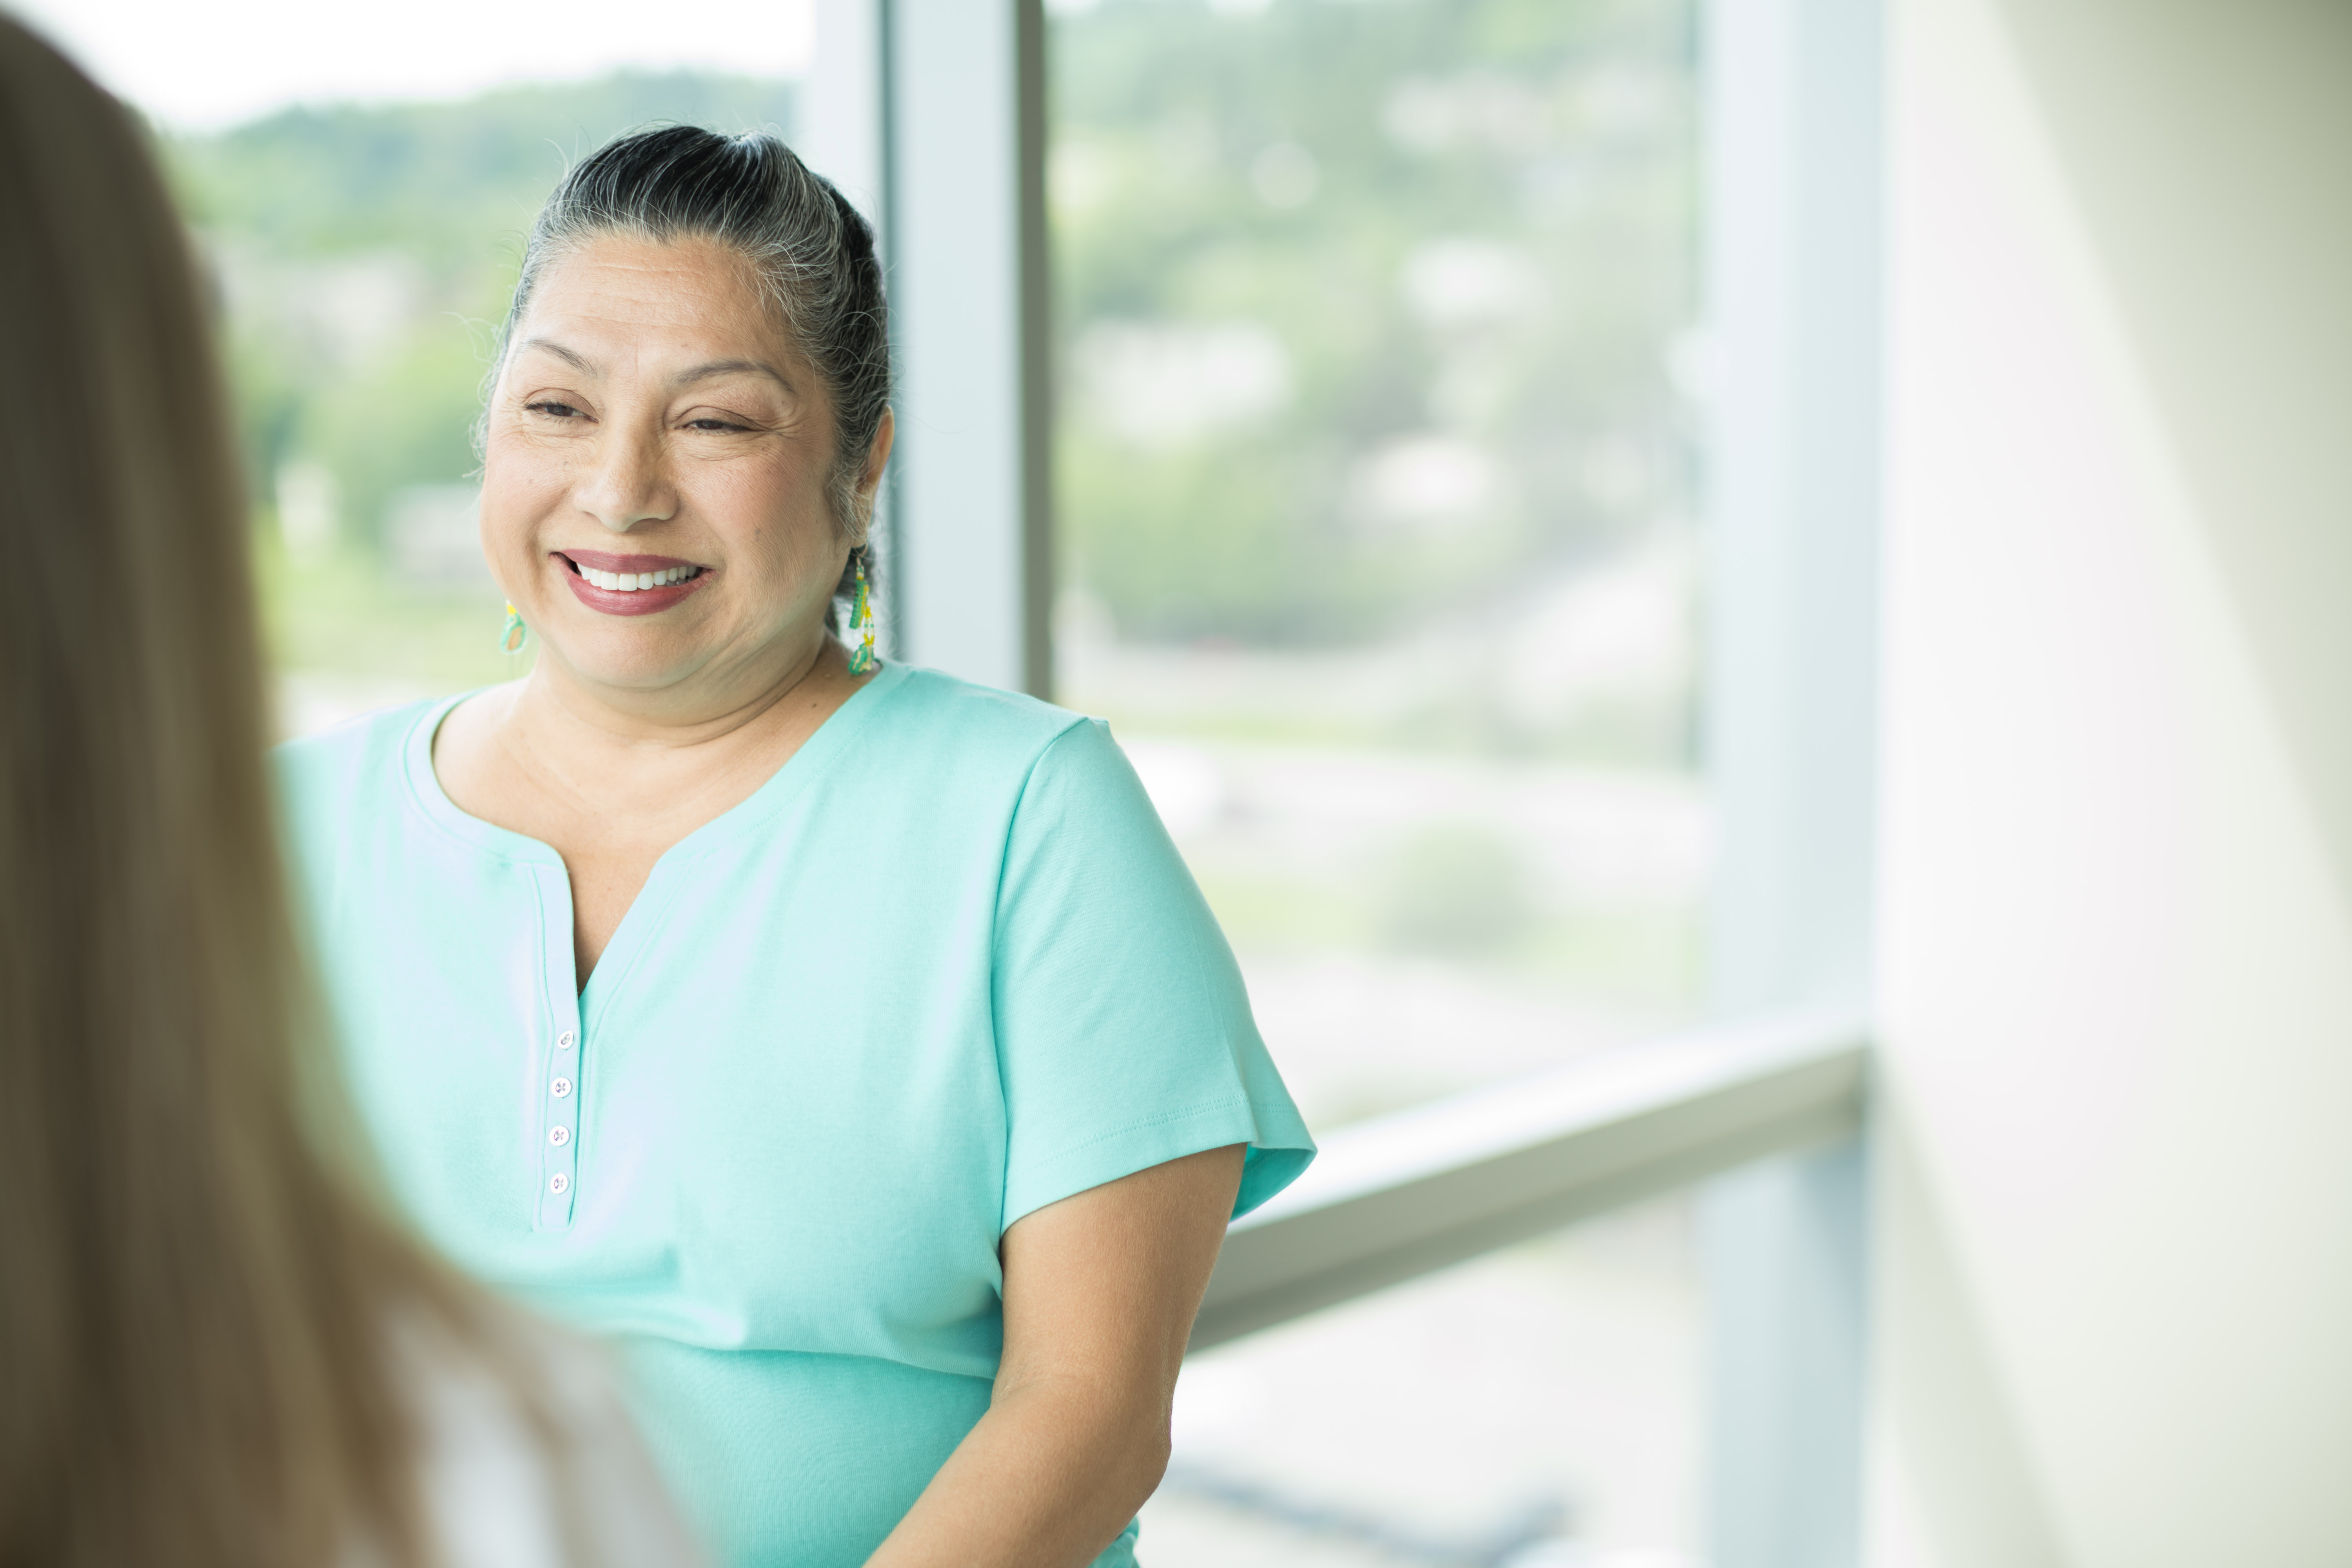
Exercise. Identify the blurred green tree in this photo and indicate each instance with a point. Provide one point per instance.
(1365, 311)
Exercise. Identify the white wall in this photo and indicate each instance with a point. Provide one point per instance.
(2114, 1297)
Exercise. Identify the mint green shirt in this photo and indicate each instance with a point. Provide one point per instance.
(944, 968)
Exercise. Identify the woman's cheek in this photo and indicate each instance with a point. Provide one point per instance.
(765, 511)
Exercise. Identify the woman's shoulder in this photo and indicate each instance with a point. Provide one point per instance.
(355, 744)
(978, 729)
(326, 776)
(939, 704)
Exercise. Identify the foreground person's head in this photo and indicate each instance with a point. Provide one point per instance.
(192, 1297)
(690, 413)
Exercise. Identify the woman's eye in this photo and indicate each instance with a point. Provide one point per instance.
(709, 422)
(552, 408)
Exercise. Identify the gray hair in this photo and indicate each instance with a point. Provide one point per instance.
(811, 250)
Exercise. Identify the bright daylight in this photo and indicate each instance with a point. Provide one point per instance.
(1224, 783)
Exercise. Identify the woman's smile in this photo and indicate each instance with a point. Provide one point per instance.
(629, 585)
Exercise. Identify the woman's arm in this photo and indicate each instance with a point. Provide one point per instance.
(1100, 1294)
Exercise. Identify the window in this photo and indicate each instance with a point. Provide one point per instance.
(1375, 477)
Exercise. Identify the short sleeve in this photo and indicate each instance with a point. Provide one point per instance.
(1123, 1030)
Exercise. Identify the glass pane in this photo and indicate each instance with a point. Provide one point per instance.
(1539, 1408)
(360, 192)
(1375, 486)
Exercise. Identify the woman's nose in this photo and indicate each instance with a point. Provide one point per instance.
(628, 485)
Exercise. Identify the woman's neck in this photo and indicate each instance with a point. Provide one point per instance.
(711, 712)
(611, 787)
(567, 762)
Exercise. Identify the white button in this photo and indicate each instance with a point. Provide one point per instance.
(563, 1041)
(562, 1085)
(558, 1136)
(559, 1184)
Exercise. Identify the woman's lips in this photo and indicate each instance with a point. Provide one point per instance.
(591, 575)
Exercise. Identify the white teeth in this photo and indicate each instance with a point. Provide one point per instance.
(633, 581)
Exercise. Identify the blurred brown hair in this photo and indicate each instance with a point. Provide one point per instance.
(194, 1301)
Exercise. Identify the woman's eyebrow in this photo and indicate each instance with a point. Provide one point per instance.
(576, 359)
(719, 367)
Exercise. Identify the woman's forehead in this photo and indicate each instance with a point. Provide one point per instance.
(699, 294)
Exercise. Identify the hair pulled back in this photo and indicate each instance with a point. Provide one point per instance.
(811, 250)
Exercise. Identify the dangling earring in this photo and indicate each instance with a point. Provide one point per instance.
(512, 639)
(861, 614)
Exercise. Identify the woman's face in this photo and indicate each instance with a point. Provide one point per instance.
(654, 487)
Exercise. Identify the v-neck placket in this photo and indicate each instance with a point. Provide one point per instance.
(570, 1014)
(563, 1048)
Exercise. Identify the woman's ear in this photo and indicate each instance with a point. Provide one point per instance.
(878, 458)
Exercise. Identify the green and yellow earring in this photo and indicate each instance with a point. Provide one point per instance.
(861, 614)
(512, 639)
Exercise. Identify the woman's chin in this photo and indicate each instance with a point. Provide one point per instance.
(638, 657)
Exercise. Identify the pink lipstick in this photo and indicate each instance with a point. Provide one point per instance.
(616, 584)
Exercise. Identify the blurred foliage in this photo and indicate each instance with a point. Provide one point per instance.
(1465, 221)
(445, 183)
(406, 418)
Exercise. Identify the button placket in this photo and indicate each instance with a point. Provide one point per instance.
(554, 1054)
(558, 1159)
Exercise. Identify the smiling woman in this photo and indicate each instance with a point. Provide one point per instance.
(849, 1042)
(619, 415)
